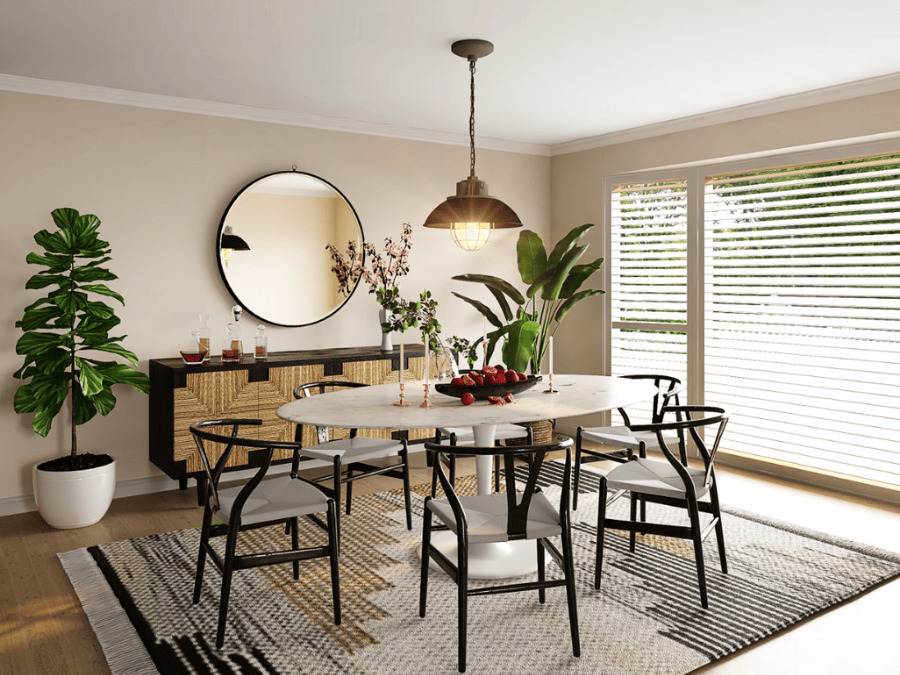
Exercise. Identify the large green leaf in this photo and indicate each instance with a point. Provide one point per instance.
(119, 373)
(69, 301)
(100, 289)
(89, 273)
(41, 317)
(552, 289)
(520, 343)
(35, 343)
(65, 218)
(494, 282)
(566, 243)
(503, 302)
(571, 302)
(113, 348)
(48, 392)
(89, 378)
(104, 401)
(85, 410)
(24, 400)
(99, 309)
(52, 242)
(481, 307)
(56, 263)
(43, 280)
(578, 275)
(531, 256)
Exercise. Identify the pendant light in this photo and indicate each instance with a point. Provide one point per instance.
(231, 243)
(471, 215)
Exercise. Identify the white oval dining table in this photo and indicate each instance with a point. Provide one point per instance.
(373, 408)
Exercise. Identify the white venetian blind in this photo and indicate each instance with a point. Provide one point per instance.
(649, 279)
(802, 307)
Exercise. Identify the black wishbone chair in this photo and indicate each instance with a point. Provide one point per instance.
(349, 455)
(671, 482)
(626, 438)
(500, 518)
(256, 504)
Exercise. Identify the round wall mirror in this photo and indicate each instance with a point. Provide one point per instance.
(272, 248)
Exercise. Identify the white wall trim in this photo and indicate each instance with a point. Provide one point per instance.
(841, 92)
(83, 92)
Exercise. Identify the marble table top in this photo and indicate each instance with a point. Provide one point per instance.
(371, 407)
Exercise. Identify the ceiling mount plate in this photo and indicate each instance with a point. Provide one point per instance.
(472, 49)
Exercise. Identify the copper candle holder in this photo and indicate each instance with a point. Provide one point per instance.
(551, 390)
(401, 402)
(427, 402)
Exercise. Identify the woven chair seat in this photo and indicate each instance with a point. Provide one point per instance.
(487, 517)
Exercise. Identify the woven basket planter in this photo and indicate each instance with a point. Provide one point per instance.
(542, 430)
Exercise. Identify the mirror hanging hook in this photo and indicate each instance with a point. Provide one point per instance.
(293, 167)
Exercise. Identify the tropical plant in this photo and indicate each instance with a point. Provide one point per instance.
(65, 326)
(553, 283)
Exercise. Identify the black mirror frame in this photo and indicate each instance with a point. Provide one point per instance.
(221, 229)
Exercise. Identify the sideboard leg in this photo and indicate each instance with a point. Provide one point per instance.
(182, 484)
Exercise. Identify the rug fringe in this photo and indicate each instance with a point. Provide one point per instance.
(125, 652)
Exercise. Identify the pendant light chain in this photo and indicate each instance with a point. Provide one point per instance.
(472, 121)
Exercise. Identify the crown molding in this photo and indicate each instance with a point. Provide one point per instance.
(841, 92)
(29, 85)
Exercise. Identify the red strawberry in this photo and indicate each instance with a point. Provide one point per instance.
(496, 400)
(509, 398)
(468, 381)
(489, 370)
(501, 378)
(467, 398)
(456, 382)
(490, 378)
(500, 368)
(479, 380)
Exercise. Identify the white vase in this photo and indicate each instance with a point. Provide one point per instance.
(386, 344)
(70, 499)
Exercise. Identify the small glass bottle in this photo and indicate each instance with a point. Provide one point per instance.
(236, 342)
(193, 352)
(261, 344)
(204, 335)
(231, 351)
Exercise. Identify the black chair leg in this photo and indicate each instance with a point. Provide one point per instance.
(295, 544)
(404, 454)
(496, 473)
(333, 553)
(453, 470)
(426, 556)
(540, 570)
(694, 514)
(576, 478)
(349, 497)
(633, 519)
(601, 524)
(463, 595)
(569, 561)
(720, 531)
(201, 556)
(227, 573)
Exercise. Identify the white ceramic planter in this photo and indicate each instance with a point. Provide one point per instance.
(70, 499)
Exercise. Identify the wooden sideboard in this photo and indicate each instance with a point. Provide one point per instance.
(181, 394)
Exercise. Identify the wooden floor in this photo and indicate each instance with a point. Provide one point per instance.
(43, 630)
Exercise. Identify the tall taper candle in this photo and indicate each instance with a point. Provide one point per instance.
(427, 359)
(401, 363)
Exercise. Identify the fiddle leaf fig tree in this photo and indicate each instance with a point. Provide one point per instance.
(527, 321)
(68, 329)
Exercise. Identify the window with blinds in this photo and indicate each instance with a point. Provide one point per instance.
(649, 279)
(802, 314)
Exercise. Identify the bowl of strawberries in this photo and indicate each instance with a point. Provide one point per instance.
(488, 384)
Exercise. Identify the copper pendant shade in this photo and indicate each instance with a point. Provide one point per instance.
(472, 215)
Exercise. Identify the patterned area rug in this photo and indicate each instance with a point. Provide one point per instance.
(645, 620)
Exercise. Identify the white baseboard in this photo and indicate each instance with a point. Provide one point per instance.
(143, 486)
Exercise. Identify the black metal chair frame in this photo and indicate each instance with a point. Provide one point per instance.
(685, 422)
(450, 459)
(233, 562)
(516, 524)
(660, 400)
(344, 474)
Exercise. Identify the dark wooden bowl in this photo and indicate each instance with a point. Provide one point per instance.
(482, 392)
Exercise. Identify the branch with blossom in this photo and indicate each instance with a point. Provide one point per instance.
(346, 271)
(385, 267)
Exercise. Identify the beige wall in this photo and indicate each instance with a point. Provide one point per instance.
(577, 180)
(160, 182)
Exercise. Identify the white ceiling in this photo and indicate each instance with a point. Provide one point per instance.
(561, 71)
